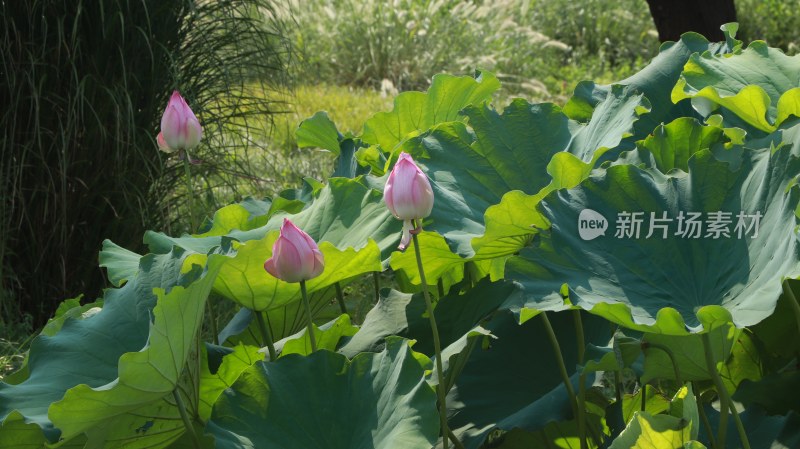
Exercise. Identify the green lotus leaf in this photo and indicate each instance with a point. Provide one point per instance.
(776, 393)
(654, 432)
(669, 280)
(147, 378)
(405, 315)
(689, 353)
(763, 431)
(415, 112)
(746, 362)
(243, 279)
(514, 382)
(213, 384)
(282, 322)
(673, 144)
(328, 336)
(15, 433)
(120, 263)
(655, 81)
(87, 351)
(318, 131)
(749, 83)
(655, 403)
(325, 401)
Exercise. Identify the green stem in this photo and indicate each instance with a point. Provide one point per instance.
(437, 345)
(440, 287)
(721, 391)
(576, 315)
(189, 190)
(644, 397)
(793, 302)
(702, 411)
(562, 367)
(376, 278)
(739, 426)
(340, 298)
(266, 336)
(187, 422)
(213, 318)
(310, 320)
(454, 439)
(670, 354)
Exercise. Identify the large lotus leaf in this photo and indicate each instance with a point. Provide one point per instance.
(318, 131)
(328, 336)
(749, 83)
(15, 433)
(657, 279)
(646, 431)
(514, 382)
(346, 213)
(243, 279)
(120, 264)
(86, 351)
(282, 322)
(763, 431)
(777, 393)
(655, 81)
(147, 377)
(213, 384)
(688, 352)
(323, 400)
(415, 112)
(405, 315)
(474, 168)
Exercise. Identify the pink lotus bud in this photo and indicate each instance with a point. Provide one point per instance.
(408, 193)
(162, 144)
(295, 255)
(179, 126)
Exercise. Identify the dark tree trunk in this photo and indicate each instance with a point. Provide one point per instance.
(675, 17)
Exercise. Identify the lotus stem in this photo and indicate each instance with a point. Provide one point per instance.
(189, 190)
(440, 287)
(266, 336)
(454, 439)
(703, 417)
(308, 312)
(643, 390)
(793, 301)
(340, 298)
(187, 422)
(721, 391)
(580, 337)
(739, 426)
(562, 367)
(670, 354)
(437, 345)
(376, 279)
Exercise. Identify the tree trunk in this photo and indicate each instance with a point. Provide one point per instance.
(675, 17)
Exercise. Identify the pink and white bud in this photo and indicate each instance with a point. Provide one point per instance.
(295, 255)
(408, 193)
(179, 126)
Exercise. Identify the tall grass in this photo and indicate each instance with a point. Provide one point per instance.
(528, 43)
(83, 84)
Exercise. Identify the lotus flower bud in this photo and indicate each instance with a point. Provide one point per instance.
(179, 127)
(408, 195)
(295, 255)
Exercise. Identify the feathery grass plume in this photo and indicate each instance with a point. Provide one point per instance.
(83, 84)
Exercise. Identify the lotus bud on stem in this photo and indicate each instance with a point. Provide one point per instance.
(296, 258)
